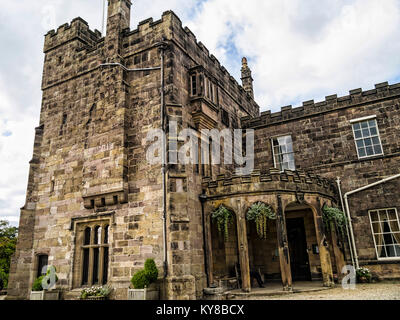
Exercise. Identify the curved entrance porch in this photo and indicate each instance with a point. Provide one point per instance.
(297, 246)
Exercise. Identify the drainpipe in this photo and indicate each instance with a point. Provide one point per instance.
(203, 198)
(347, 225)
(162, 46)
(164, 165)
(348, 209)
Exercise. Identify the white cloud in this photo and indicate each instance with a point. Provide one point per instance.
(298, 50)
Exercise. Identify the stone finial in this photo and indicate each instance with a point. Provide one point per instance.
(247, 80)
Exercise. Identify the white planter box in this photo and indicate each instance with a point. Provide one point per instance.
(45, 295)
(144, 294)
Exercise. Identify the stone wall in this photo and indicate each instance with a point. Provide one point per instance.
(324, 144)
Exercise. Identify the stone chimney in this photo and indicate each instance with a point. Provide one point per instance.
(247, 80)
(118, 19)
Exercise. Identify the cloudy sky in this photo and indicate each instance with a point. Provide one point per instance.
(298, 50)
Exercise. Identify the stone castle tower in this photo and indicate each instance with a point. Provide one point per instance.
(96, 208)
(89, 182)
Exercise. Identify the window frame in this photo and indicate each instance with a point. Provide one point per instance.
(273, 151)
(194, 79)
(361, 120)
(373, 233)
(102, 269)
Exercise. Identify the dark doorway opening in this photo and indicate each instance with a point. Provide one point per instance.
(299, 263)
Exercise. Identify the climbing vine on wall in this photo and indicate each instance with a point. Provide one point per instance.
(224, 218)
(260, 213)
(335, 215)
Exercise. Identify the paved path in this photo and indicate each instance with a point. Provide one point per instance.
(374, 291)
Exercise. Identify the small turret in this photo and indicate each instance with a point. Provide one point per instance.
(121, 9)
(247, 80)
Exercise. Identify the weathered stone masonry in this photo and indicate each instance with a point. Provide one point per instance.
(102, 95)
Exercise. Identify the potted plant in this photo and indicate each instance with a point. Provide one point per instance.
(96, 293)
(42, 288)
(363, 275)
(143, 283)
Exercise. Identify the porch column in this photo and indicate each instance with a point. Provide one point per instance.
(283, 247)
(339, 257)
(208, 248)
(326, 265)
(243, 248)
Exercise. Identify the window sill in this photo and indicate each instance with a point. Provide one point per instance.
(374, 157)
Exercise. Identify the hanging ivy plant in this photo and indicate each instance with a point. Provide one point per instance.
(224, 218)
(336, 216)
(259, 213)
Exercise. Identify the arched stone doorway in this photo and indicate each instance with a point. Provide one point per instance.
(225, 253)
(305, 262)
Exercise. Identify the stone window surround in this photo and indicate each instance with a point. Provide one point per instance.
(79, 224)
(373, 234)
(364, 119)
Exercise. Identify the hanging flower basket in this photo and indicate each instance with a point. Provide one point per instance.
(260, 213)
(224, 218)
(336, 216)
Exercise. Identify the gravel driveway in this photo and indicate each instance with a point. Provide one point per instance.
(374, 291)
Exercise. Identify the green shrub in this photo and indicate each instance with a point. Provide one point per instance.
(151, 270)
(37, 284)
(140, 279)
(3, 280)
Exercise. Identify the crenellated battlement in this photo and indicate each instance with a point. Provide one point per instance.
(331, 103)
(269, 180)
(78, 29)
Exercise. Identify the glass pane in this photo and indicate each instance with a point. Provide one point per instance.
(85, 269)
(373, 131)
(362, 152)
(370, 151)
(87, 236)
(357, 134)
(374, 216)
(394, 225)
(364, 124)
(368, 142)
(292, 166)
(376, 227)
(392, 214)
(105, 265)
(357, 126)
(383, 215)
(106, 234)
(365, 133)
(360, 143)
(378, 149)
(372, 123)
(382, 252)
(95, 278)
(397, 251)
(289, 147)
(390, 250)
(375, 140)
(43, 260)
